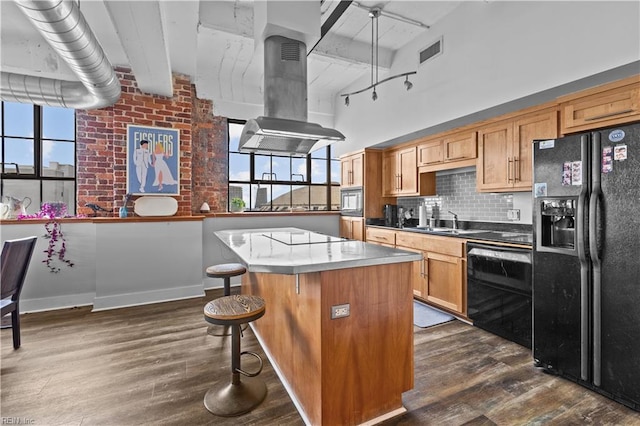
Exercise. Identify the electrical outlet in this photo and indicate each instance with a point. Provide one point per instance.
(513, 214)
(340, 311)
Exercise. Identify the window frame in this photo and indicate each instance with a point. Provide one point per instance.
(38, 139)
(252, 181)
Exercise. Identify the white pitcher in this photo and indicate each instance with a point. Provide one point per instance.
(16, 206)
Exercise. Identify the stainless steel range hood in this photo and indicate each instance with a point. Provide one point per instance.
(284, 129)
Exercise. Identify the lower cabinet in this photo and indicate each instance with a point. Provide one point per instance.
(352, 228)
(440, 277)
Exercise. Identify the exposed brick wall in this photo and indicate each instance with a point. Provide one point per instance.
(101, 146)
(210, 152)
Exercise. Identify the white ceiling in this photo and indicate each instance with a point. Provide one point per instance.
(213, 43)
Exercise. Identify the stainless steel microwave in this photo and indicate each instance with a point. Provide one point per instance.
(351, 201)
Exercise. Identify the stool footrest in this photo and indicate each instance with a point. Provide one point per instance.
(247, 374)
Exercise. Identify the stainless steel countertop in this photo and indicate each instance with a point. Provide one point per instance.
(297, 251)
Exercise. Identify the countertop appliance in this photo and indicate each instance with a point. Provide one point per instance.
(351, 201)
(499, 290)
(390, 214)
(586, 297)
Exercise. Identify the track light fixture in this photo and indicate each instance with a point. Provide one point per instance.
(374, 14)
(407, 84)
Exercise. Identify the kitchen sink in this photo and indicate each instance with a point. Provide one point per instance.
(452, 231)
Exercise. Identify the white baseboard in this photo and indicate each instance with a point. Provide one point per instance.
(146, 297)
(56, 302)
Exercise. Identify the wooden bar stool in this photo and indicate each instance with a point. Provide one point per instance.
(226, 271)
(239, 396)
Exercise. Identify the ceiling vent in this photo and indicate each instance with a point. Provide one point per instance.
(431, 52)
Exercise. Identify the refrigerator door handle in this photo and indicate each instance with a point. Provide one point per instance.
(581, 246)
(594, 239)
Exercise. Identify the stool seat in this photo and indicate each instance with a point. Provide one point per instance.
(235, 309)
(225, 270)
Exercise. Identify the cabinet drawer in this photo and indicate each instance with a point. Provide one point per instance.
(445, 245)
(451, 246)
(411, 240)
(383, 236)
(605, 108)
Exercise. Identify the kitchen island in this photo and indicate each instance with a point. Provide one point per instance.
(338, 327)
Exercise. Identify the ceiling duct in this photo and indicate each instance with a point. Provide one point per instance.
(284, 128)
(65, 29)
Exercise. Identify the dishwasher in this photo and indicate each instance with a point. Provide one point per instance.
(499, 290)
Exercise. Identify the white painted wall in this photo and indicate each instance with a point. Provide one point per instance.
(493, 52)
(121, 264)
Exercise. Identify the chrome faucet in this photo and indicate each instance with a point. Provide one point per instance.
(455, 220)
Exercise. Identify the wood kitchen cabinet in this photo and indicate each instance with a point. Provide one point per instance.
(400, 174)
(440, 278)
(352, 170)
(352, 227)
(381, 236)
(505, 150)
(448, 151)
(364, 169)
(607, 105)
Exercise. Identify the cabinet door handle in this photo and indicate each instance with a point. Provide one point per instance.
(509, 165)
(422, 274)
(516, 169)
(611, 114)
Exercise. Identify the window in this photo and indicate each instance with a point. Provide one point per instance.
(282, 183)
(38, 155)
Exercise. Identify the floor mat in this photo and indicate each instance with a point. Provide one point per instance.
(426, 316)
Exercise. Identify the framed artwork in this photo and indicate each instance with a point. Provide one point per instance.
(153, 160)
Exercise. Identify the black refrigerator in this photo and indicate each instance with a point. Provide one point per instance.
(586, 260)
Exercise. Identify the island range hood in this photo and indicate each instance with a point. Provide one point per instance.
(284, 130)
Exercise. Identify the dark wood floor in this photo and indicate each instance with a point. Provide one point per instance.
(153, 364)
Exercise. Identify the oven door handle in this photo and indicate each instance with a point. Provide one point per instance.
(492, 254)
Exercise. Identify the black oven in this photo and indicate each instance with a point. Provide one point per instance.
(499, 290)
(351, 201)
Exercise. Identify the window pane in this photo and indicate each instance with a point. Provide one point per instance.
(18, 119)
(261, 197)
(280, 197)
(320, 153)
(58, 159)
(239, 165)
(18, 156)
(262, 167)
(298, 169)
(281, 167)
(60, 191)
(300, 197)
(335, 171)
(335, 198)
(235, 130)
(318, 171)
(239, 191)
(26, 190)
(318, 198)
(58, 123)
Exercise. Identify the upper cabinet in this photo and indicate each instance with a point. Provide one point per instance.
(400, 172)
(448, 151)
(504, 150)
(352, 170)
(606, 105)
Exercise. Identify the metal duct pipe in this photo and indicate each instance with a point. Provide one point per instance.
(65, 29)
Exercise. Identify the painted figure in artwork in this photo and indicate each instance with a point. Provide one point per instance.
(142, 160)
(163, 174)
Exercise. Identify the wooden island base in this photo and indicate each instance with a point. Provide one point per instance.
(348, 370)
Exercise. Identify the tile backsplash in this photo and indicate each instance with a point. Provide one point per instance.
(457, 192)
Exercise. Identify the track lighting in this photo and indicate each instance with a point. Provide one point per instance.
(374, 14)
(407, 84)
